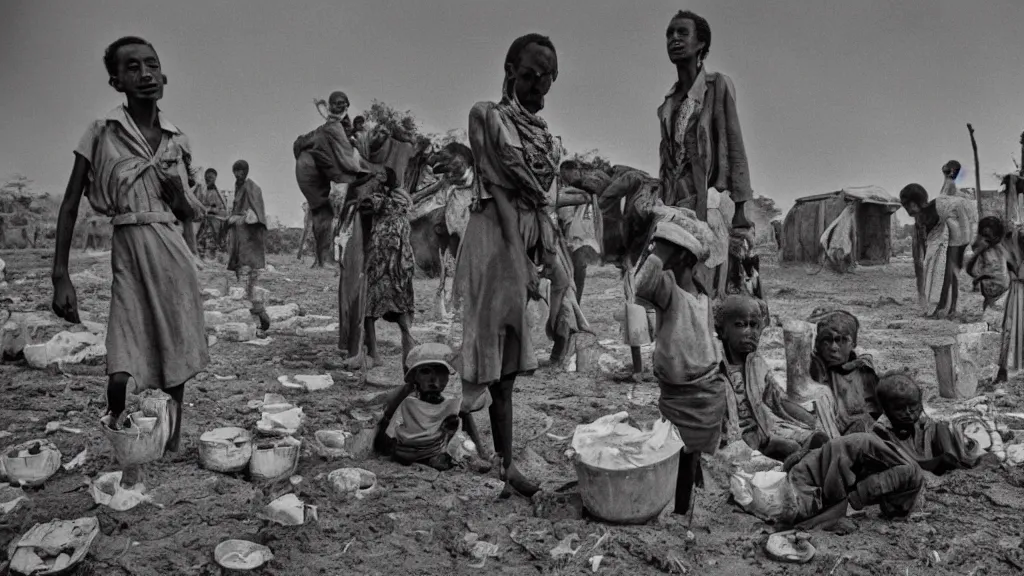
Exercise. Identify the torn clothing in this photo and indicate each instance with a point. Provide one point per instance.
(393, 154)
(513, 158)
(861, 468)
(155, 329)
(755, 411)
(960, 216)
(685, 345)
(933, 445)
(423, 430)
(710, 152)
(686, 358)
(853, 387)
(247, 242)
(390, 266)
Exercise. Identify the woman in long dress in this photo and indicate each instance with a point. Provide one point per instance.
(389, 262)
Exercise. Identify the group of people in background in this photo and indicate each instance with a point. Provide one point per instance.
(687, 256)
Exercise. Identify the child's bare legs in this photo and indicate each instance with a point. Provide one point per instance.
(1002, 375)
(404, 322)
(579, 273)
(951, 282)
(690, 475)
(370, 329)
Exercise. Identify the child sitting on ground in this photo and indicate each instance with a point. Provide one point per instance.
(428, 419)
(758, 411)
(933, 445)
(858, 470)
(852, 378)
(686, 360)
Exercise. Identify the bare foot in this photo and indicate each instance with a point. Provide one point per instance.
(357, 362)
(516, 481)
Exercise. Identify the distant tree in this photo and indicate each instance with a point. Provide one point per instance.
(593, 158)
(17, 184)
(400, 123)
(767, 205)
(454, 135)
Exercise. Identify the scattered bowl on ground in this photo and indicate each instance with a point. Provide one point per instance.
(241, 555)
(31, 463)
(274, 459)
(226, 449)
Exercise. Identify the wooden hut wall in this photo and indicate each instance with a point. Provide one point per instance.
(804, 226)
(874, 233)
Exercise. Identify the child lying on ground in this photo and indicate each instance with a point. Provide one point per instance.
(428, 419)
(852, 378)
(858, 470)
(933, 445)
(758, 411)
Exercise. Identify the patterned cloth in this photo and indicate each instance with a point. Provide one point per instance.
(540, 150)
(155, 330)
(684, 132)
(390, 265)
(853, 386)
(745, 423)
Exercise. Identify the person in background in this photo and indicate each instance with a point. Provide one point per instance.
(949, 224)
(950, 172)
(248, 229)
(210, 239)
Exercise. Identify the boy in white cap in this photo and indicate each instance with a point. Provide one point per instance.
(686, 359)
(427, 419)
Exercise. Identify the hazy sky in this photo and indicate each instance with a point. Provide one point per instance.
(831, 93)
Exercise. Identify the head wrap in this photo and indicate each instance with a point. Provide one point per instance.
(839, 321)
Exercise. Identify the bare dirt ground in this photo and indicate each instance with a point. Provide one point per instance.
(969, 521)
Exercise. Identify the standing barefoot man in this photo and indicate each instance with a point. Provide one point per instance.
(133, 167)
(512, 231)
(702, 148)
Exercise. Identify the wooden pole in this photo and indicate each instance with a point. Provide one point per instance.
(977, 170)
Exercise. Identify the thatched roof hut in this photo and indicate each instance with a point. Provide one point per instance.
(866, 212)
